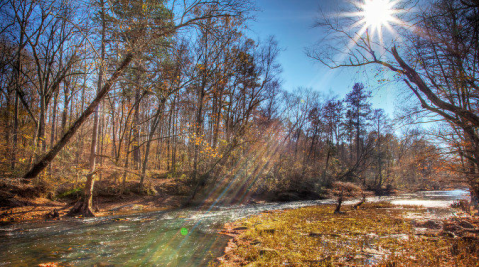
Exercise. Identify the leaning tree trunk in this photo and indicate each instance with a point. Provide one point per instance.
(38, 167)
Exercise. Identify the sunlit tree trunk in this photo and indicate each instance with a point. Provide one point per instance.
(90, 182)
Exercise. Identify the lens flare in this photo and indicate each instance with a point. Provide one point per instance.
(378, 13)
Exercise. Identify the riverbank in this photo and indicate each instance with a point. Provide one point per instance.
(42, 209)
(23, 202)
(377, 234)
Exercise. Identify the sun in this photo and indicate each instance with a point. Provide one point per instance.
(378, 13)
(374, 15)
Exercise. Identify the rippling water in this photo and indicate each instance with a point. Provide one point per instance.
(153, 239)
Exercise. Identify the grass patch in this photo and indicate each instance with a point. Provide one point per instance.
(315, 236)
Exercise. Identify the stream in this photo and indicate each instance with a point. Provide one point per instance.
(185, 237)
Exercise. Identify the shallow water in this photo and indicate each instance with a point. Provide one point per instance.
(432, 199)
(153, 239)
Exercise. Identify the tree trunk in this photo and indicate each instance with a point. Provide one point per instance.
(175, 125)
(154, 125)
(45, 160)
(15, 133)
(81, 141)
(338, 206)
(85, 206)
(54, 118)
(123, 184)
(327, 164)
(66, 95)
(136, 123)
(113, 130)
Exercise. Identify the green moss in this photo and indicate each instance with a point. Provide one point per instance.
(71, 194)
(315, 236)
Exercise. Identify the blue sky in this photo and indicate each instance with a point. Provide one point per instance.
(290, 21)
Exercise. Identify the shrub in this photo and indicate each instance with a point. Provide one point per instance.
(343, 191)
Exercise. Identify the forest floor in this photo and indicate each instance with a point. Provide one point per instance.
(41, 209)
(377, 234)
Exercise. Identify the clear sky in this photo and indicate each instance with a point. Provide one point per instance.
(290, 21)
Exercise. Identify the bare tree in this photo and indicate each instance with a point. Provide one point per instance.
(439, 65)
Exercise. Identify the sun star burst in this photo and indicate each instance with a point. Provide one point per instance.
(378, 13)
(375, 15)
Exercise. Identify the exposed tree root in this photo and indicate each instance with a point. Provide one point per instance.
(81, 208)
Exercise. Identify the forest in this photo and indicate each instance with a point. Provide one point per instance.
(131, 95)
(173, 133)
